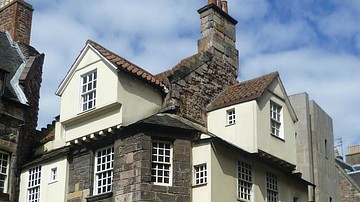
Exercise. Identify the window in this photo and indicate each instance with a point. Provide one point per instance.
(104, 163)
(161, 163)
(271, 187)
(88, 91)
(230, 116)
(200, 173)
(326, 149)
(34, 184)
(244, 181)
(4, 163)
(53, 174)
(275, 117)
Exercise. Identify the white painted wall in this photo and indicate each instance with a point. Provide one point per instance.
(242, 133)
(120, 98)
(201, 154)
(251, 131)
(224, 178)
(49, 190)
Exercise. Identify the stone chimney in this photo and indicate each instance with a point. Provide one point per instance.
(15, 18)
(218, 31)
(353, 155)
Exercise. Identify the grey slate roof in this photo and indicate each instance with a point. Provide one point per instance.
(10, 61)
(12, 56)
(172, 121)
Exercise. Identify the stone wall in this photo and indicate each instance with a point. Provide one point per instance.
(197, 80)
(132, 173)
(80, 175)
(348, 191)
(16, 17)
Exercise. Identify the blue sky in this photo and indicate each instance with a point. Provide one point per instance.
(314, 44)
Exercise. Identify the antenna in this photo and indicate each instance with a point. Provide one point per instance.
(338, 142)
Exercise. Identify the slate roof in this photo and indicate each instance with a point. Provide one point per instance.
(125, 65)
(243, 92)
(10, 61)
(171, 121)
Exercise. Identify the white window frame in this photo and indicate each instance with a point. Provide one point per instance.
(53, 175)
(230, 116)
(103, 170)
(33, 188)
(4, 170)
(272, 189)
(161, 163)
(244, 181)
(88, 91)
(200, 174)
(275, 119)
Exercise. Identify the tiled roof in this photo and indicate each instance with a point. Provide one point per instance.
(242, 92)
(125, 65)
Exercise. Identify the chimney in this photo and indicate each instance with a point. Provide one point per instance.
(353, 155)
(15, 18)
(218, 31)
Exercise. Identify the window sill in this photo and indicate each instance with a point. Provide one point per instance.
(227, 125)
(277, 137)
(99, 197)
(53, 182)
(242, 200)
(199, 185)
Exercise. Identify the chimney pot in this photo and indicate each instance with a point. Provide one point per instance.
(224, 6)
(218, 3)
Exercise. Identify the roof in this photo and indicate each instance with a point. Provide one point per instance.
(243, 92)
(171, 121)
(125, 65)
(16, 60)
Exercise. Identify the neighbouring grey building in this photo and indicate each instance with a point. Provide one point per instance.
(315, 148)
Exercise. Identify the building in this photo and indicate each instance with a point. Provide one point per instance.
(349, 175)
(20, 80)
(250, 126)
(315, 148)
(191, 133)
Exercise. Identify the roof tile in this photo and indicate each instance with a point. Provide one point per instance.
(126, 66)
(242, 92)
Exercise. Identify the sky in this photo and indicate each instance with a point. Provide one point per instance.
(313, 44)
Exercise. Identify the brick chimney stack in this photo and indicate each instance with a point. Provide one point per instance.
(16, 17)
(218, 31)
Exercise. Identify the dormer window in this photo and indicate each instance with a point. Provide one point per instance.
(88, 91)
(230, 117)
(275, 119)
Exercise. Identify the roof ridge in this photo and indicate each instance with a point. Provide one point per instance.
(126, 65)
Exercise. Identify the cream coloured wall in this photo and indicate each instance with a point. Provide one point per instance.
(283, 148)
(242, 133)
(252, 128)
(201, 153)
(49, 191)
(224, 178)
(121, 99)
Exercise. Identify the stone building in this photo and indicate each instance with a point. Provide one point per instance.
(20, 80)
(315, 153)
(349, 175)
(191, 133)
